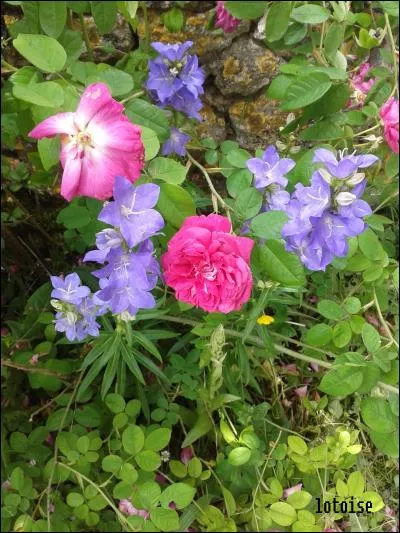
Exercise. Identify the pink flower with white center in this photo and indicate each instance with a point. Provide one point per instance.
(360, 85)
(292, 490)
(34, 359)
(224, 20)
(127, 507)
(98, 144)
(389, 114)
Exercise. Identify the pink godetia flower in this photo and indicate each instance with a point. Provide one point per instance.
(292, 490)
(127, 507)
(98, 143)
(208, 266)
(301, 392)
(186, 455)
(224, 20)
(389, 114)
(360, 84)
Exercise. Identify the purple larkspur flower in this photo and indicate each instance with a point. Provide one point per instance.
(175, 78)
(270, 169)
(131, 211)
(324, 215)
(176, 144)
(105, 240)
(69, 289)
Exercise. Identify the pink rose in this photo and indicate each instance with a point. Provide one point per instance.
(389, 114)
(207, 266)
(224, 20)
(98, 143)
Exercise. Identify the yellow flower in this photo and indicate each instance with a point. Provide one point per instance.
(265, 320)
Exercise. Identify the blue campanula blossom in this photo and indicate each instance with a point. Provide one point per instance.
(269, 178)
(131, 211)
(175, 78)
(176, 144)
(69, 289)
(324, 215)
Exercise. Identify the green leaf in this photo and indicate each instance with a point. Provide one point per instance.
(133, 439)
(238, 158)
(269, 225)
(333, 40)
(248, 203)
(194, 467)
(352, 305)
(245, 10)
(74, 217)
(119, 82)
(391, 8)
(371, 338)
(305, 91)
(168, 170)
(115, 402)
(75, 499)
(295, 34)
(238, 181)
(280, 265)
(310, 14)
(104, 14)
(202, 426)
(341, 380)
(297, 445)
(79, 7)
(111, 463)
(83, 444)
(300, 499)
(175, 204)
(277, 20)
(174, 20)
(356, 484)
(376, 413)
(49, 152)
(279, 86)
(157, 439)
(165, 519)
(25, 76)
(150, 142)
(239, 456)
(342, 334)
(46, 94)
(17, 479)
(53, 16)
(283, 513)
(43, 52)
(370, 245)
(326, 130)
(145, 114)
(179, 493)
(330, 309)
(148, 460)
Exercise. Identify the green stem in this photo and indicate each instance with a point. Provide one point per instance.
(134, 95)
(279, 348)
(210, 184)
(146, 28)
(383, 321)
(86, 37)
(7, 65)
(394, 52)
(393, 195)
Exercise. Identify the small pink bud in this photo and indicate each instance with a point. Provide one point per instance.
(186, 455)
(34, 359)
(292, 490)
(301, 392)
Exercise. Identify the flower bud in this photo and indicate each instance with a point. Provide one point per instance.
(325, 174)
(355, 179)
(345, 198)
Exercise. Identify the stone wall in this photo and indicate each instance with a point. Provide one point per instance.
(239, 68)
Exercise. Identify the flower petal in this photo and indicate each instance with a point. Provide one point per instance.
(60, 123)
(93, 99)
(71, 177)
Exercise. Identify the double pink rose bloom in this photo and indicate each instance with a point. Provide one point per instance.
(98, 144)
(208, 266)
(389, 114)
(224, 20)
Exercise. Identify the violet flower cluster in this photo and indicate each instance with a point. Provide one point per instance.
(77, 309)
(130, 269)
(324, 215)
(175, 78)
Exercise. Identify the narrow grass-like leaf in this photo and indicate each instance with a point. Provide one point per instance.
(147, 344)
(148, 363)
(132, 364)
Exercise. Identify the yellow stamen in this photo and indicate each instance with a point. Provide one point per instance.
(265, 320)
